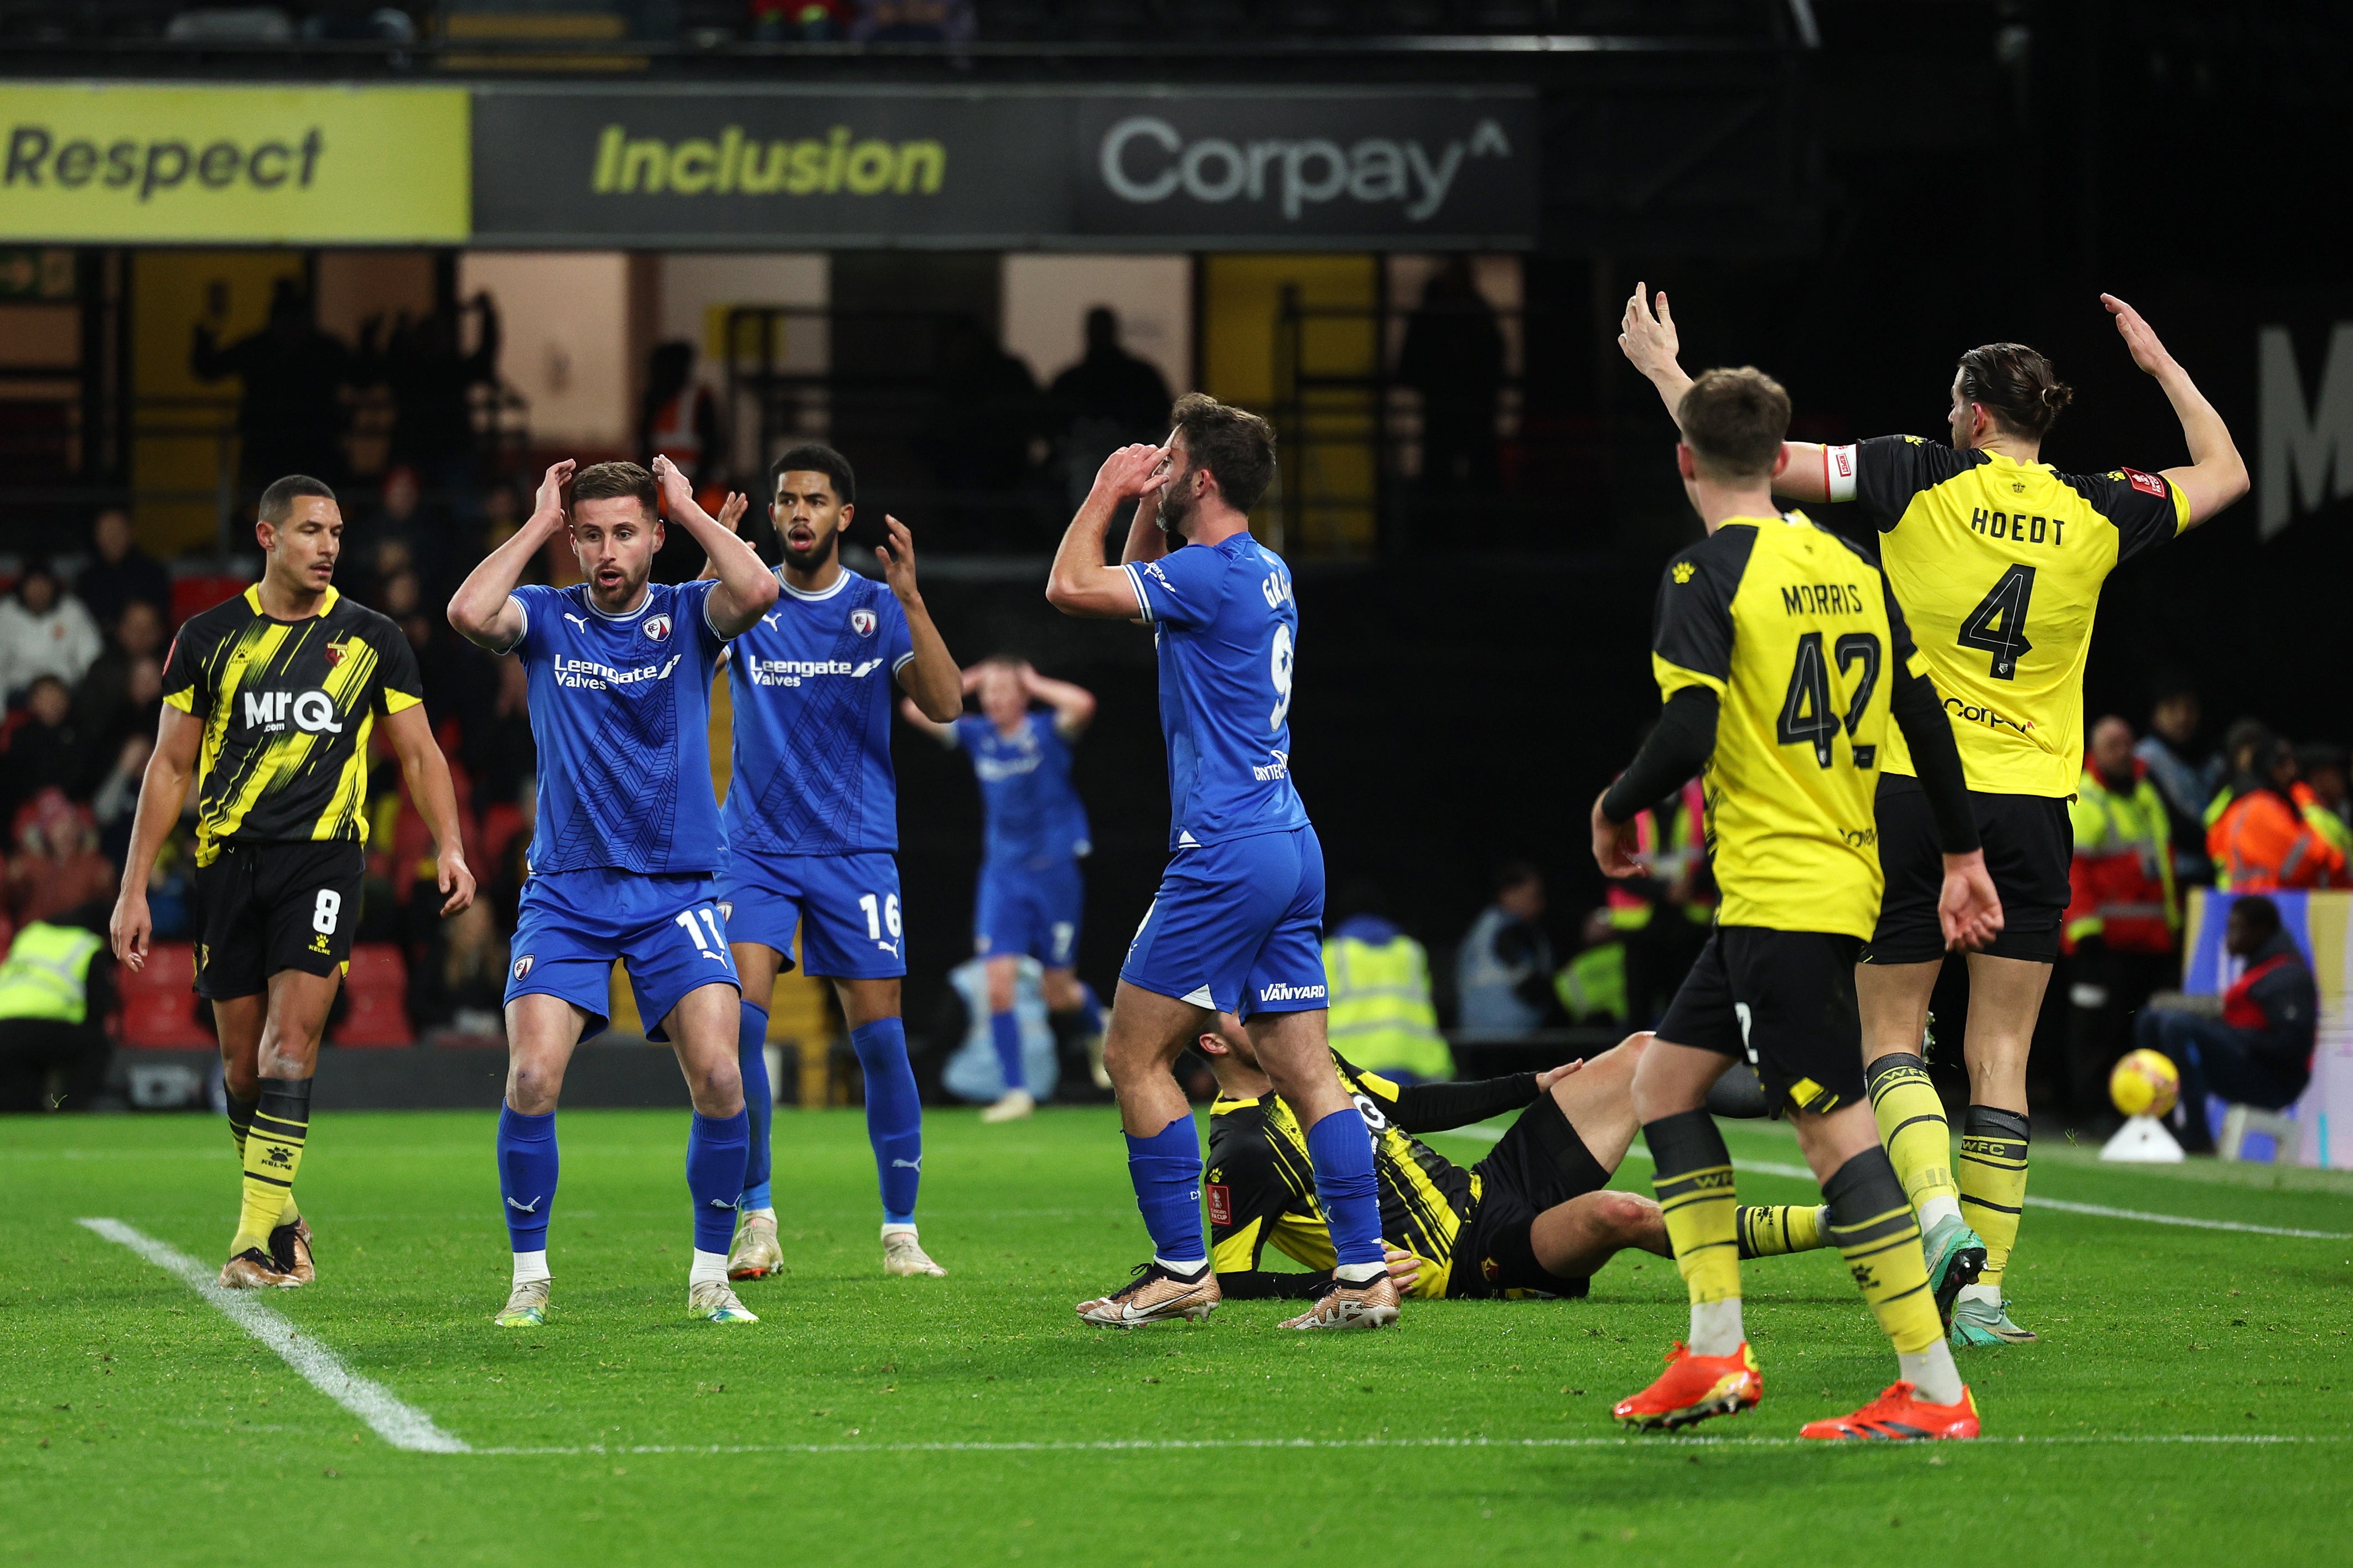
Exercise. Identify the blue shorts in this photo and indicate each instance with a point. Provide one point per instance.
(846, 907)
(573, 924)
(1236, 926)
(1027, 908)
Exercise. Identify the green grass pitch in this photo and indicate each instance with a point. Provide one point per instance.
(2187, 1403)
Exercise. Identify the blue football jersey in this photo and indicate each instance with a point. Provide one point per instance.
(814, 686)
(1031, 810)
(621, 708)
(1227, 628)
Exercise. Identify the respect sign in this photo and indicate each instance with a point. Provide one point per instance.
(113, 163)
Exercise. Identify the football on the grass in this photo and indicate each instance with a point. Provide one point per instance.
(2145, 1084)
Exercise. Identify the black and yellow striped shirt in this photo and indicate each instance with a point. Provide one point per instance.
(287, 708)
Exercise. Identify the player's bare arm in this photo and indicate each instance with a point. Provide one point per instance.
(1073, 705)
(1650, 341)
(481, 610)
(2216, 475)
(163, 792)
(943, 734)
(747, 589)
(931, 679)
(426, 773)
(1081, 584)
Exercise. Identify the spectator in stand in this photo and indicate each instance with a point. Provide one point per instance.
(1504, 970)
(48, 751)
(680, 421)
(2259, 1051)
(2122, 912)
(115, 803)
(2260, 841)
(499, 751)
(1377, 980)
(800, 21)
(1105, 401)
(472, 976)
(2186, 778)
(432, 376)
(1592, 986)
(990, 410)
(914, 22)
(56, 865)
(102, 700)
(44, 630)
(119, 572)
(56, 990)
(1454, 356)
(2320, 792)
(290, 376)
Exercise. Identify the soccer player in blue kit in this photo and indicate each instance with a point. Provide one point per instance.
(1032, 892)
(628, 845)
(1237, 927)
(812, 820)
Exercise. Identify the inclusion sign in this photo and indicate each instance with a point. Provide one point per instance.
(645, 166)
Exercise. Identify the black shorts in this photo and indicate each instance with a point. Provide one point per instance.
(263, 908)
(2029, 843)
(1783, 999)
(1539, 1163)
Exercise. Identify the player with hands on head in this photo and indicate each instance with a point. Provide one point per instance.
(1998, 559)
(812, 824)
(1782, 656)
(270, 701)
(1239, 916)
(1031, 893)
(625, 855)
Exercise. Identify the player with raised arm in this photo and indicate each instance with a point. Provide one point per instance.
(270, 701)
(1782, 656)
(1032, 892)
(624, 857)
(1238, 922)
(812, 818)
(1998, 559)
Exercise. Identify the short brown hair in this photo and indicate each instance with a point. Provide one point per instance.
(1735, 422)
(605, 482)
(2018, 384)
(277, 500)
(1234, 445)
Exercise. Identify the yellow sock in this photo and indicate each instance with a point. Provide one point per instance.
(1911, 1126)
(273, 1153)
(240, 1122)
(1767, 1232)
(1993, 1183)
(1874, 1230)
(1691, 1175)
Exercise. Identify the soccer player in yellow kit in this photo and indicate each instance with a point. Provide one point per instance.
(1782, 656)
(1998, 559)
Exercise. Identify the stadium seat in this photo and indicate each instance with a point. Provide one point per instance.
(193, 595)
(158, 1012)
(2239, 1120)
(376, 992)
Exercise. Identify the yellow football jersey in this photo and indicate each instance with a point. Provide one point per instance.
(1998, 565)
(1794, 630)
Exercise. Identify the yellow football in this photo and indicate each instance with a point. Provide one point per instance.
(2145, 1084)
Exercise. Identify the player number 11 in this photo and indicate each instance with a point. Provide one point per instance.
(686, 919)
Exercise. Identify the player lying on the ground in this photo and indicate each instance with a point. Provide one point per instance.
(628, 845)
(1534, 1217)
(1031, 892)
(268, 701)
(1997, 559)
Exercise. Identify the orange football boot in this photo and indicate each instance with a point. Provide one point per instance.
(1900, 1416)
(1692, 1388)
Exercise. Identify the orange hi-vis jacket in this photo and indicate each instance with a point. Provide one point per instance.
(2121, 880)
(2262, 843)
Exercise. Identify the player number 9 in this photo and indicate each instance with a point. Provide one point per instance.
(324, 913)
(1280, 669)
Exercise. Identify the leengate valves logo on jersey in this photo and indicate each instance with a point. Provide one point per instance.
(587, 674)
(792, 671)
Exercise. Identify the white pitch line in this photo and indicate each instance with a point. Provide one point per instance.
(1179, 1445)
(1772, 1168)
(400, 1425)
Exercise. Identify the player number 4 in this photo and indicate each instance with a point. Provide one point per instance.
(2005, 603)
(881, 913)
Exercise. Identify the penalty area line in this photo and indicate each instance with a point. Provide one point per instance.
(2033, 1200)
(1179, 1445)
(401, 1424)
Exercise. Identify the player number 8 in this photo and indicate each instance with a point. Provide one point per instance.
(324, 913)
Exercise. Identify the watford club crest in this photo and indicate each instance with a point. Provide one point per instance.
(862, 622)
(335, 654)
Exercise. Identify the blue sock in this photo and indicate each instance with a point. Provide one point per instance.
(759, 1104)
(894, 1115)
(715, 1146)
(1342, 1152)
(1004, 1034)
(1090, 1008)
(1166, 1171)
(527, 1166)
